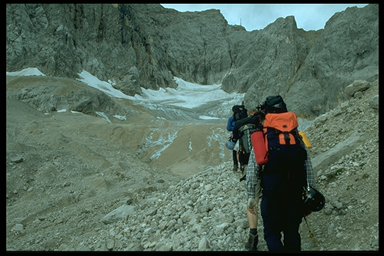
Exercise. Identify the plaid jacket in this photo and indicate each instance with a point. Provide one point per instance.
(253, 178)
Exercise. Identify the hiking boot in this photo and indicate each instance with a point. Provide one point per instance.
(251, 245)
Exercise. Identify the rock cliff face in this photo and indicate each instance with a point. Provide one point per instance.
(346, 50)
(145, 45)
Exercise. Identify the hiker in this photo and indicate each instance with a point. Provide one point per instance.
(253, 187)
(234, 139)
(253, 194)
(238, 112)
(280, 185)
(244, 127)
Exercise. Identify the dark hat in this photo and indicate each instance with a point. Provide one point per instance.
(274, 104)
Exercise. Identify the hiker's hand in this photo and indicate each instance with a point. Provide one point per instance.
(252, 205)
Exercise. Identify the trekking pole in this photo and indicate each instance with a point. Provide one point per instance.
(311, 235)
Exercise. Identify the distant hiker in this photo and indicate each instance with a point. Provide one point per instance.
(246, 126)
(242, 132)
(278, 171)
(238, 112)
(232, 141)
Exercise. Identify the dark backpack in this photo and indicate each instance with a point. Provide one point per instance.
(286, 152)
(278, 144)
(239, 112)
(245, 132)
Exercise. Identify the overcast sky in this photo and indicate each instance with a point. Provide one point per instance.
(258, 16)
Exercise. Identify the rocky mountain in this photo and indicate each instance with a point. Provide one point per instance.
(81, 180)
(146, 45)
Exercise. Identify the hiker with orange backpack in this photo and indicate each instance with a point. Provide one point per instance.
(278, 171)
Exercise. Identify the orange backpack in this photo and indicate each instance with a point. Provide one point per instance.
(279, 140)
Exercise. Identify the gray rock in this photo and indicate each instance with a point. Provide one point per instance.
(16, 159)
(204, 244)
(118, 214)
(323, 160)
(374, 103)
(355, 87)
(18, 227)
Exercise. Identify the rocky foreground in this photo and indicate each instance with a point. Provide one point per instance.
(90, 195)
